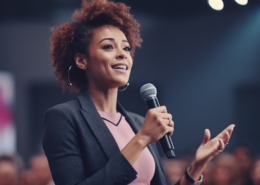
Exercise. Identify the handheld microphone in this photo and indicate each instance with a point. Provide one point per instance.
(148, 92)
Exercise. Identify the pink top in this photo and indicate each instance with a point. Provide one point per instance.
(123, 133)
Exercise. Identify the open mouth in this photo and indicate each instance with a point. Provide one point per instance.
(120, 66)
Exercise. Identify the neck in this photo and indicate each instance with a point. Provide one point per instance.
(105, 100)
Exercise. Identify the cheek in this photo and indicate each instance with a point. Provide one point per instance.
(100, 61)
(130, 61)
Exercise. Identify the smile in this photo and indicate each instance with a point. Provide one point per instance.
(120, 66)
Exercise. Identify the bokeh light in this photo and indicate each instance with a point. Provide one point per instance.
(216, 4)
(242, 2)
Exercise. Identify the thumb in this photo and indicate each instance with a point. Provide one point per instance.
(206, 136)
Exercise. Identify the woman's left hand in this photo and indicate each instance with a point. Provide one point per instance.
(206, 151)
(210, 148)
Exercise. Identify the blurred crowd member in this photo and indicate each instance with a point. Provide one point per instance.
(207, 180)
(255, 172)
(244, 159)
(8, 171)
(223, 170)
(26, 178)
(41, 171)
(174, 169)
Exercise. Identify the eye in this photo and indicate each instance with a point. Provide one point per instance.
(108, 46)
(127, 48)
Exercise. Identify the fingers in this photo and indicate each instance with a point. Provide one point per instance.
(230, 129)
(161, 109)
(157, 123)
(170, 123)
(206, 136)
(221, 145)
(226, 137)
(165, 116)
(170, 130)
(160, 115)
(169, 126)
(224, 142)
(226, 133)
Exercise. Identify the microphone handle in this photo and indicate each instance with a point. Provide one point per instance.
(166, 140)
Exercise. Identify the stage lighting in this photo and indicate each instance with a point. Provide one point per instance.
(242, 2)
(216, 4)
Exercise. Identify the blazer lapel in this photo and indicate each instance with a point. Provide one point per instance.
(130, 119)
(97, 125)
(100, 130)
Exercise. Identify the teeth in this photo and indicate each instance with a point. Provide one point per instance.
(119, 67)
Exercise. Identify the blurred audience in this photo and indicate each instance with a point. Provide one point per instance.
(26, 178)
(12, 174)
(207, 180)
(224, 170)
(41, 171)
(238, 168)
(244, 159)
(255, 172)
(8, 171)
(174, 169)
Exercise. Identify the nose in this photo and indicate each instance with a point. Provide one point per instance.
(121, 54)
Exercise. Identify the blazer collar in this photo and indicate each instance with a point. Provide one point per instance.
(89, 108)
(100, 130)
(94, 120)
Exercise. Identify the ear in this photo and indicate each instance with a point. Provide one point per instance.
(81, 60)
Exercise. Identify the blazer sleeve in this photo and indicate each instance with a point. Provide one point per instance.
(61, 146)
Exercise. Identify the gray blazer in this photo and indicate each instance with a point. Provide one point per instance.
(81, 149)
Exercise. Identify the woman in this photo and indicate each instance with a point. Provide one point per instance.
(93, 140)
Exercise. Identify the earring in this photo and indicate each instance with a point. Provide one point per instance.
(69, 74)
(124, 87)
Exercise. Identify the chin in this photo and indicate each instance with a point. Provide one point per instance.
(122, 83)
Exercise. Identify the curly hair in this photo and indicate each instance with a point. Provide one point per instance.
(75, 36)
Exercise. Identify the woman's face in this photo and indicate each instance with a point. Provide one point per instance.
(109, 62)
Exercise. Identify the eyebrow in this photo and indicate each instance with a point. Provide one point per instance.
(112, 40)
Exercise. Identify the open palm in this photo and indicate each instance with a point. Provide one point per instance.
(210, 148)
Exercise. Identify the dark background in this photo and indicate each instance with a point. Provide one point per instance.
(204, 63)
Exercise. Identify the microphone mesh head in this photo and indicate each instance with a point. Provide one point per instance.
(148, 90)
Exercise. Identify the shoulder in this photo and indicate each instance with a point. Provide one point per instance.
(60, 128)
(67, 111)
(64, 109)
(61, 119)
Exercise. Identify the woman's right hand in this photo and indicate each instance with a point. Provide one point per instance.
(157, 123)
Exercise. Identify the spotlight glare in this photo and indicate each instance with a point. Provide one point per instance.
(216, 4)
(242, 2)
